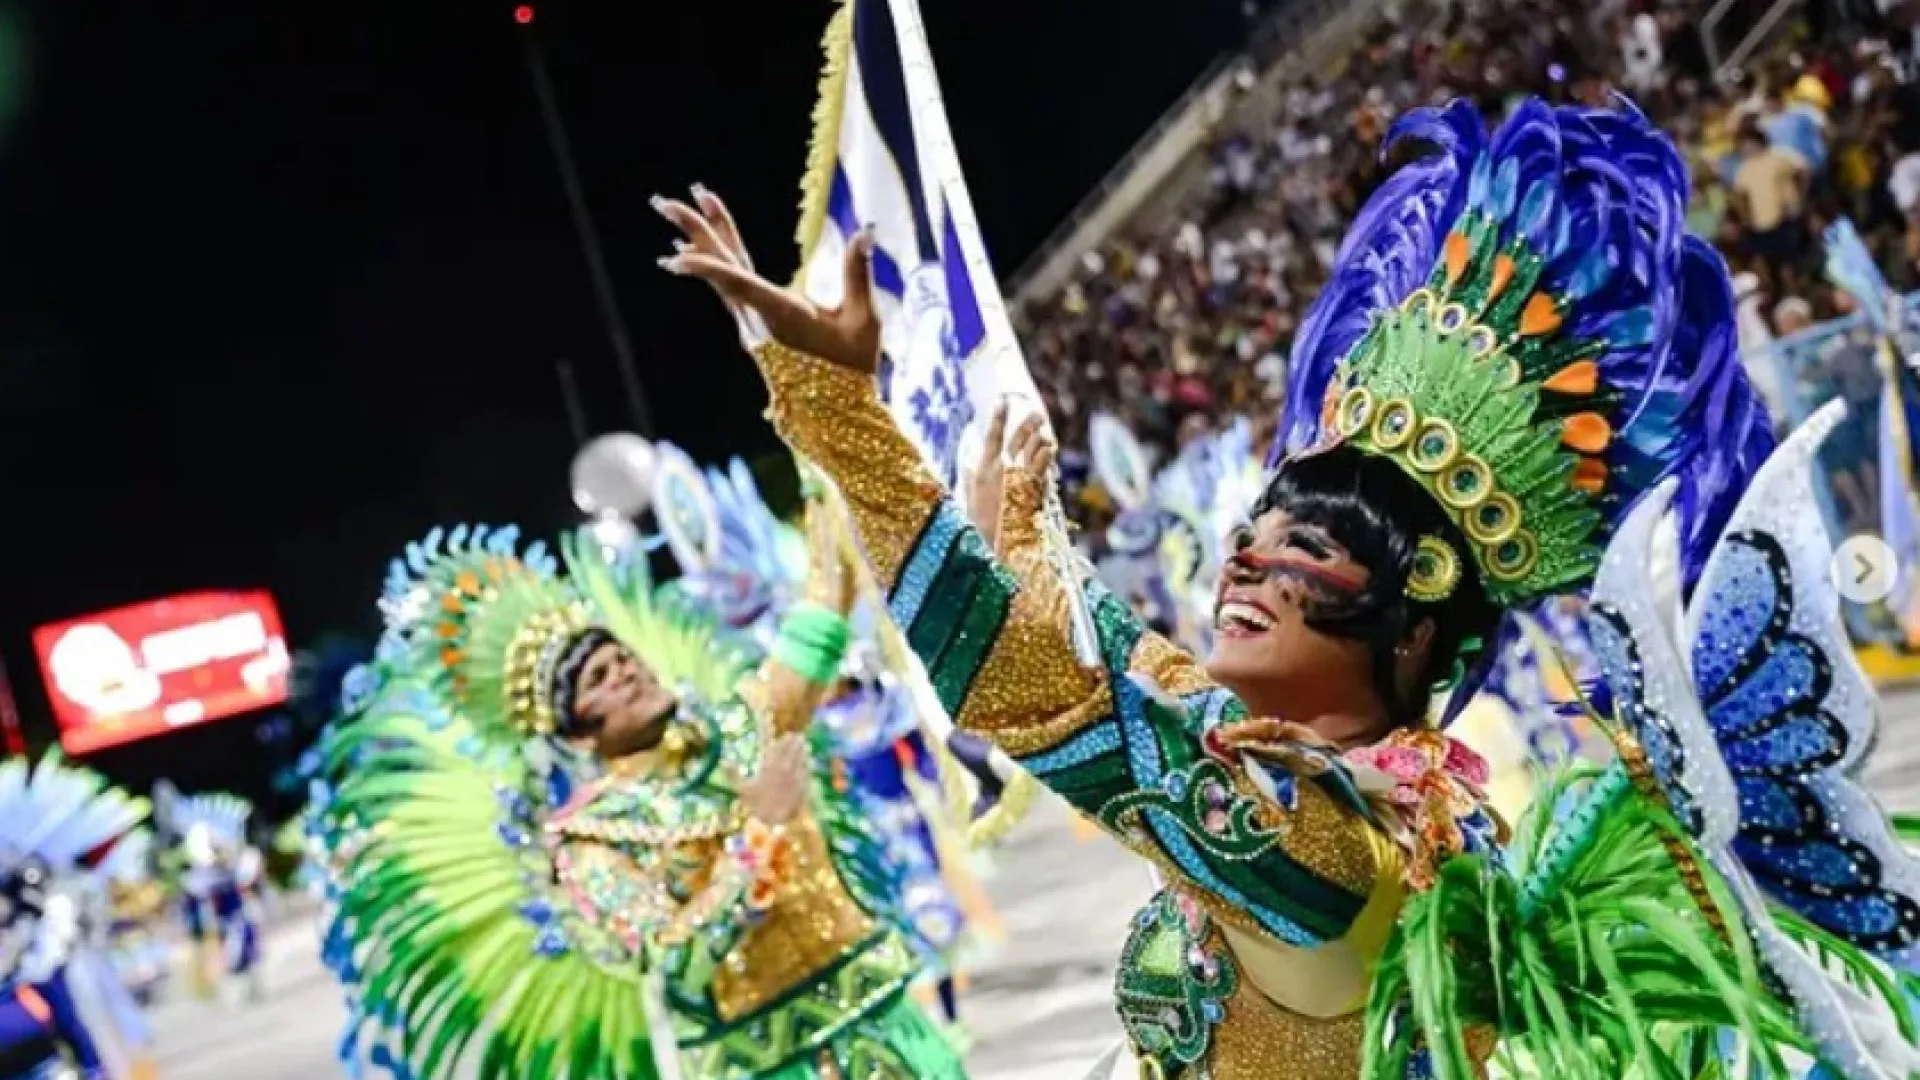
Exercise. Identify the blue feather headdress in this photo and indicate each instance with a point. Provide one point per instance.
(60, 815)
(221, 816)
(1520, 322)
(738, 561)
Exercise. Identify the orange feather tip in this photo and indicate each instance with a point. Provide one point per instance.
(1541, 316)
(1579, 377)
(1502, 275)
(1590, 476)
(1586, 432)
(1455, 255)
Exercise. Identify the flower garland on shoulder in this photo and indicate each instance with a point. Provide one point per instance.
(1431, 791)
(1425, 789)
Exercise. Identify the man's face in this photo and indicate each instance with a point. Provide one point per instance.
(621, 702)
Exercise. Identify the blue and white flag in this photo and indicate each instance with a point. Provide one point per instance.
(883, 156)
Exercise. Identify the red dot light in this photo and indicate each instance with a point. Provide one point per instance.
(523, 14)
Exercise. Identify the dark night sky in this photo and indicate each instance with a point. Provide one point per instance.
(281, 284)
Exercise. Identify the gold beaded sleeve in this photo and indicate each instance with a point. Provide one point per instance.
(994, 652)
(783, 697)
(996, 641)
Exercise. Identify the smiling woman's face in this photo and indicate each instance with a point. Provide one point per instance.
(1278, 572)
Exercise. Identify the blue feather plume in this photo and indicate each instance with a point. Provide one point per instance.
(1600, 196)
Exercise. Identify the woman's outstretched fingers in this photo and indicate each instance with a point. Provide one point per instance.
(711, 250)
(1028, 438)
(986, 481)
(695, 227)
(1033, 449)
(995, 443)
(734, 283)
(721, 219)
(1042, 463)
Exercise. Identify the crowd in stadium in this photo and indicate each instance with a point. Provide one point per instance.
(1177, 329)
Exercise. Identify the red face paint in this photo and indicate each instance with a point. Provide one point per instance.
(1345, 583)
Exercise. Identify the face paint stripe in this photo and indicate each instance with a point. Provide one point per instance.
(1270, 566)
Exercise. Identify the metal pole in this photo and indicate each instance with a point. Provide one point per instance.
(589, 236)
(570, 398)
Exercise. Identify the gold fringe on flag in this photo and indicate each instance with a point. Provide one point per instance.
(816, 184)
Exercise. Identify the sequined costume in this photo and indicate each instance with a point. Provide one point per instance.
(220, 877)
(650, 925)
(64, 1010)
(890, 773)
(127, 908)
(1519, 325)
(739, 564)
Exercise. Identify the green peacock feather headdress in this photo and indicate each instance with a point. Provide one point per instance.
(1520, 323)
(490, 622)
(683, 643)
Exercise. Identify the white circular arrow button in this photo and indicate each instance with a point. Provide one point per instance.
(1863, 569)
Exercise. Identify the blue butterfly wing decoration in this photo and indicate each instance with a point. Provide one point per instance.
(1629, 631)
(1794, 716)
(1749, 735)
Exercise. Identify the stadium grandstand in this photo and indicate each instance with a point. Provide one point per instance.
(1171, 299)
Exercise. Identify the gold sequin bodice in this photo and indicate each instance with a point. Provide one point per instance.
(1261, 1040)
(646, 848)
(813, 922)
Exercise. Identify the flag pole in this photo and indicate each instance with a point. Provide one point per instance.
(570, 400)
(583, 224)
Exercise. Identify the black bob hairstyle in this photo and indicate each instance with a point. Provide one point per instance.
(1378, 513)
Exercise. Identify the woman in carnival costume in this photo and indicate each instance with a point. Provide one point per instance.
(63, 1008)
(1519, 356)
(534, 777)
(745, 567)
(709, 907)
(221, 875)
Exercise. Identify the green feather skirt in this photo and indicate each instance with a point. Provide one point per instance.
(895, 1042)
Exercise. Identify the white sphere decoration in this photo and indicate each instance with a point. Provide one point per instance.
(615, 534)
(613, 475)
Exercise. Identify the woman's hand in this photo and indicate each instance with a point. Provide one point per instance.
(986, 481)
(775, 793)
(1010, 482)
(711, 250)
(1030, 457)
